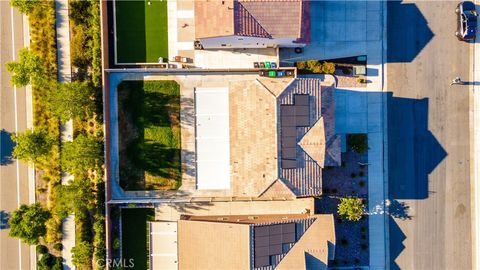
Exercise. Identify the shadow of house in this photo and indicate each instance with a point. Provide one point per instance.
(396, 242)
(6, 148)
(413, 151)
(408, 31)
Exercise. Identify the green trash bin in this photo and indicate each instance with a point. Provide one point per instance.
(267, 65)
(272, 73)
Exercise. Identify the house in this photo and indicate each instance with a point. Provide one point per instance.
(265, 138)
(290, 241)
(232, 24)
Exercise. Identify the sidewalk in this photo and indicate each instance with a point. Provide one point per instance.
(66, 130)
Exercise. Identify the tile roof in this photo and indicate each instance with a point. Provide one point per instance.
(253, 18)
(313, 143)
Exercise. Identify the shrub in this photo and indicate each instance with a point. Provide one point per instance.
(41, 249)
(301, 65)
(54, 232)
(58, 246)
(361, 174)
(364, 237)
(362, 80)
(328, 68)
(353, 175)
(363, 229)
(45, 262)
(116, 244)
(344, 242)
(346, 71)
(334, 190)
(364, 246)
(357, 143)
(362, 183)
(351, 208)
(82, 252)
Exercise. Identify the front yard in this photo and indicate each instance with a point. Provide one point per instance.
(149, 135)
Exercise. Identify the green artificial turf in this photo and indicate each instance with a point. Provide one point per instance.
(142, 31)
(149, 129)
(135, 235)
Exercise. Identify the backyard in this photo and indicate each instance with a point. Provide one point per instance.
(149, 135)
(135, 235)
(141, 29)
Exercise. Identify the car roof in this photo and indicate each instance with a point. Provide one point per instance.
(467, 5)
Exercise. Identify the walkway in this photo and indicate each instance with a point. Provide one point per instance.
(66, 129)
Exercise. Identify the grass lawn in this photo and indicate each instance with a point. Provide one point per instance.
(149, 129)
(135, 235)
(142, 31)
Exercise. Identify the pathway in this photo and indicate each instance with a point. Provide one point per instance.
(66, 129)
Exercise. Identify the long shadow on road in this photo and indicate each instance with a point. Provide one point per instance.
(408, 32)
(413, 153)
(6, 148)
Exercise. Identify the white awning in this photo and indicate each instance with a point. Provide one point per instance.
(163, 245)
(212, 138)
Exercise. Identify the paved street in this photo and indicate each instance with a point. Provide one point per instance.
(13, 175)
(428, 140)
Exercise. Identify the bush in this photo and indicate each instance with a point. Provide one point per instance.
(344, 242)
(362, 80)
(351, 208)
(328, 68)
(25, 6)
(49, 262)
(361, 174)
(353, 175)
(82, 254)
(362, 183)
(346, 71)
(41, 249)
(301, 65)
(54, 232)
(58, 246)
(364, 246)
(357, 143)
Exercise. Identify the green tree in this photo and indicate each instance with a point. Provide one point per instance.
(72, 100)
(32, 145)
(24, 6)
(28, 69)
(75, 198)
(28, 223)
(80, 155)
(351, 208)
(82, 254)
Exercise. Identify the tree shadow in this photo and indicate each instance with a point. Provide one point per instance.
(408, 30)
(6, 148)
(399, 210)
(396, 242)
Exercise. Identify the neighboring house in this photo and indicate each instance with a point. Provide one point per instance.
(293, 241)
(265, 138)
(252, 23)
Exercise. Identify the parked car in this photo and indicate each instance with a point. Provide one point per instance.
(466, 21)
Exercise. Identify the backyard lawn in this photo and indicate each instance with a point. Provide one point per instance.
(142, 31)
(149, 134)
(135, 235)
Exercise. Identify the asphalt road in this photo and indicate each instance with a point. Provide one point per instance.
(428, 137)
(13, 176)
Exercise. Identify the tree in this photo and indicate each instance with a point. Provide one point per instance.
(49, 262)
(24, 6)
(328, 68)
(75, 198)
(32, 145)
(71, 100)
(80, 155)
(351, 208)
(82, 254)
(28, 223)
(28, 69)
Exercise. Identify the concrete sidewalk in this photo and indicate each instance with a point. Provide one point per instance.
(66, 130)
